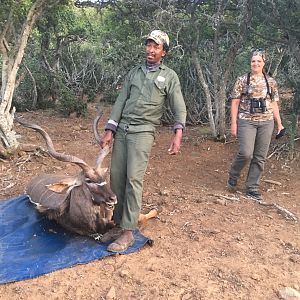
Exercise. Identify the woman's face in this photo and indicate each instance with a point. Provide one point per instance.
(154, 52)
(257, 64)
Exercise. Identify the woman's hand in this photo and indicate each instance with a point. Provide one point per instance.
(279, 128)
(233, 129)
(277, 118)
(280, 133)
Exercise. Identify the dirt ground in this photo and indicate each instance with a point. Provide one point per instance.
(208, 243)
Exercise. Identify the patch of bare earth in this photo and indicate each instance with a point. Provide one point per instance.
(208, 243)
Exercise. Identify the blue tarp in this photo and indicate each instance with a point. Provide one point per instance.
(31, 245)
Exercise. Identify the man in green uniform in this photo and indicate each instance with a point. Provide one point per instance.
(134, 117)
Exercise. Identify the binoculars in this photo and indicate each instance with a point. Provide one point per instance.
(258, 105)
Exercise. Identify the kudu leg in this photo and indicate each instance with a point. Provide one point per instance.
(143, 218)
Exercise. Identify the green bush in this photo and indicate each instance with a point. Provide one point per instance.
(69, 103)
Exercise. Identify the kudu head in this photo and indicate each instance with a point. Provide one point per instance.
(92, 178)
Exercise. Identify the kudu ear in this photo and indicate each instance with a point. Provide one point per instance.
(64, 185)
(102, 171)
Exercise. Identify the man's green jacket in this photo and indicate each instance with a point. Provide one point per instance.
(140, 105)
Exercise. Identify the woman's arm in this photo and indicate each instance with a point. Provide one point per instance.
(276, 115)
(234, 116)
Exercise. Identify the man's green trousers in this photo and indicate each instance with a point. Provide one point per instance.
(130, 156)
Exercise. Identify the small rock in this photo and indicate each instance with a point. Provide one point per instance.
(124, 273)
(108, 268)
(76, 128)
(187, 296)
(165, 193)
(21, 153)
(295, 258)
(83, 127)
(111, 295)
(255, 277)
(289, 293)
(151, 268)
(221, 202)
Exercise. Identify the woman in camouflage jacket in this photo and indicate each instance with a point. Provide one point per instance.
(254, 107)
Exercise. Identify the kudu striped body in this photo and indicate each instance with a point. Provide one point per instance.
(82, 203)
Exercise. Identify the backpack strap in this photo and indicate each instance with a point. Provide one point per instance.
(248, 84)
(268, 86)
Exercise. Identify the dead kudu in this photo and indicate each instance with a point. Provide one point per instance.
(82, 203)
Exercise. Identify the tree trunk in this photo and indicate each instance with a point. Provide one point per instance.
(245, 19)
(222, 112)
(35, 93)
(12, 55)
(206, 92)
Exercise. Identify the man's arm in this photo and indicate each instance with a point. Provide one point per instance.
(177, 103)
(178, 107)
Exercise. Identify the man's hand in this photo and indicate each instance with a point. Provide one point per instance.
(175, 143)
(106, 138)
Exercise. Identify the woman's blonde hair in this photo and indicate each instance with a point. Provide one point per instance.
(260, 52)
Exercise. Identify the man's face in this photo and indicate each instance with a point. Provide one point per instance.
(154, 52)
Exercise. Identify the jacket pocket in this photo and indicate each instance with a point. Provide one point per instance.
(160, 82)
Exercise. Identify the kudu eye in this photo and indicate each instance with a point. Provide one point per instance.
(87, 180)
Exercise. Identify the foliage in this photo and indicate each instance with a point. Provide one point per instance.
(69, 103)
(81, 53)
